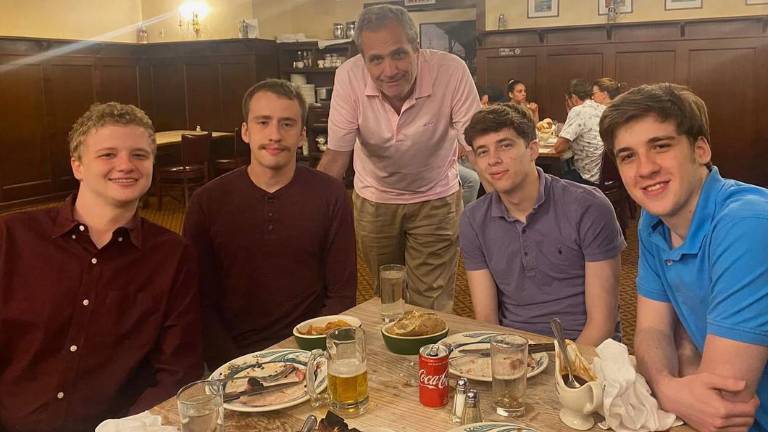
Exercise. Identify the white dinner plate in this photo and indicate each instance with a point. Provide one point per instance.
(264, 363)
(492, 427)
(479, 368)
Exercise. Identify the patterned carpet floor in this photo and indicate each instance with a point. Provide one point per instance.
(172, 217)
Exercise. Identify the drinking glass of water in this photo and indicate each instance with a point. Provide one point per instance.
(201, 406)
(392, 287)
(509, 371)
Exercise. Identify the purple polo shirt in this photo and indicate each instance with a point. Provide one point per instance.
(538, 264)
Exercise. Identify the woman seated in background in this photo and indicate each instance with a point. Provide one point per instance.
(517, 95)
(604, 90)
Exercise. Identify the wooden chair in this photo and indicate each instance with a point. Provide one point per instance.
(235, 157)
(190, 172)
(611, 185)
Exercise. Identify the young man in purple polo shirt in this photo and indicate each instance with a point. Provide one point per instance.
(99, 308)
(538, 247)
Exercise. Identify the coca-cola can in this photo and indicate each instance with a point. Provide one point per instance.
(433, 375)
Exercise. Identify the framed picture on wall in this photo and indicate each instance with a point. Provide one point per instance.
(543, 8)
(682, 4)
(622, 6)
(754, 2)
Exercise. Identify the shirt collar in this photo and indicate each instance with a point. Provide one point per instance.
(497, 206)
(65, 222)
(700, 223)
(423, 80)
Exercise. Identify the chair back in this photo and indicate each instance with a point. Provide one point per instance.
(609, 173)
(242, 149)
(195, 149)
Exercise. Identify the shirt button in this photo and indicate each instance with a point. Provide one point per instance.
(525, 253)
(668, 262)
(119, 239)
(94, 260)
(74, 236)
(60, 395)
(269, 214)
(86, 302)
(82, 227)
(73, 348)
(525, 230)
(269, 227)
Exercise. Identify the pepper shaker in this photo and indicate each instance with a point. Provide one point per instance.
(459, 400)
(471, 412)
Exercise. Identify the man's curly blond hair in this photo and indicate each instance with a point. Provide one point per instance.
(104, 114)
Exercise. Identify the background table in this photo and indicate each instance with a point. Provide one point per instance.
(394, 390)
(172, 137)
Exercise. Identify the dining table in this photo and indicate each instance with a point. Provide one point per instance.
(173, 137)
(393, 388)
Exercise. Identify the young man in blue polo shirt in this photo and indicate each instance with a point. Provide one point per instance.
(702, 314)
(537, 247)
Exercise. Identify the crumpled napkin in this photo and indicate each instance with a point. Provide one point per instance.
(144, 422)
(627, 401)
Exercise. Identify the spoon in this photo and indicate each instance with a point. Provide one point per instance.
(557, 329)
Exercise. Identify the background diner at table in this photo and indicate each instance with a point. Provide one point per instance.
(340, 174)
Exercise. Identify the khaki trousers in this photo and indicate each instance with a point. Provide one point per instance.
(423, 236)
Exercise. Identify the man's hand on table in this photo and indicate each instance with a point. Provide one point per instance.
(701, 401)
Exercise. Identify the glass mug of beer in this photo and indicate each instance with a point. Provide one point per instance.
(347, 372)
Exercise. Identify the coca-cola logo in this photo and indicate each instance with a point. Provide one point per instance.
(433, 381)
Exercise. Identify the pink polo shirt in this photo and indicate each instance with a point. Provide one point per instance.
(410, 157)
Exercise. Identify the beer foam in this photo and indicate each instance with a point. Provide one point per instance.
(346, 368)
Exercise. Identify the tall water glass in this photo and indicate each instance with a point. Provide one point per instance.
(509, 370)
(201, 406)
(392, 287)
(347, 372)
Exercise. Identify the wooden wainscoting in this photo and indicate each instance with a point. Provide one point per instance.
(725, 61)
(45, 85)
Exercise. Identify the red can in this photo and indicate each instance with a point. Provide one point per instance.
(433, 375)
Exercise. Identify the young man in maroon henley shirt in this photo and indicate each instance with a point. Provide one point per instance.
(99, 308)
(276, 241)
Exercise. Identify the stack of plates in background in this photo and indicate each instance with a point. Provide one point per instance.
(308, 90)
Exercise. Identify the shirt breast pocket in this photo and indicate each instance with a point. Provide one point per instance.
(563, 259)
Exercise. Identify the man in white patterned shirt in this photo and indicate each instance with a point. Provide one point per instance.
(581, 133)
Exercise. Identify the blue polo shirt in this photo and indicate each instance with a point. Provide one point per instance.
(717, 280)
(538, 264)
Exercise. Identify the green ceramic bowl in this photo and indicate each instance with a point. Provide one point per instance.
(409, 345)
(309, 343)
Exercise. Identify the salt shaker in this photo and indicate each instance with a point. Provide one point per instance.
(459, 400)
(471, 412)
(502, 24)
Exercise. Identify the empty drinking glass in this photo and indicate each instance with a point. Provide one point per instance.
(201, 406)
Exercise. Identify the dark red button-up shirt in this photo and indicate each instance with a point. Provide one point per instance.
(87, 333)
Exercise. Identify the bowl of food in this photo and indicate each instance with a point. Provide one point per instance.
(310, 334)
(414, 330)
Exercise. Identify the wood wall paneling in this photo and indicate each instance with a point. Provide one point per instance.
(118, 83)
(639, 67)
(724, 61)
(203, 96)
(179, 85)
(69, 91)
(502, 69)
(25, 165)
(725, 79)
(169, 102)
(236, 79)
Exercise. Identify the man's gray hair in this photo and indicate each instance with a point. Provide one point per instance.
(375, 17)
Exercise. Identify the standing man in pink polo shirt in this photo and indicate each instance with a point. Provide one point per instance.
(402, 110)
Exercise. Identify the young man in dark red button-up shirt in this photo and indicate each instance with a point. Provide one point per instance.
(99, 308)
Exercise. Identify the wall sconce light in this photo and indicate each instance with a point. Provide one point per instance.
(191, 14)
